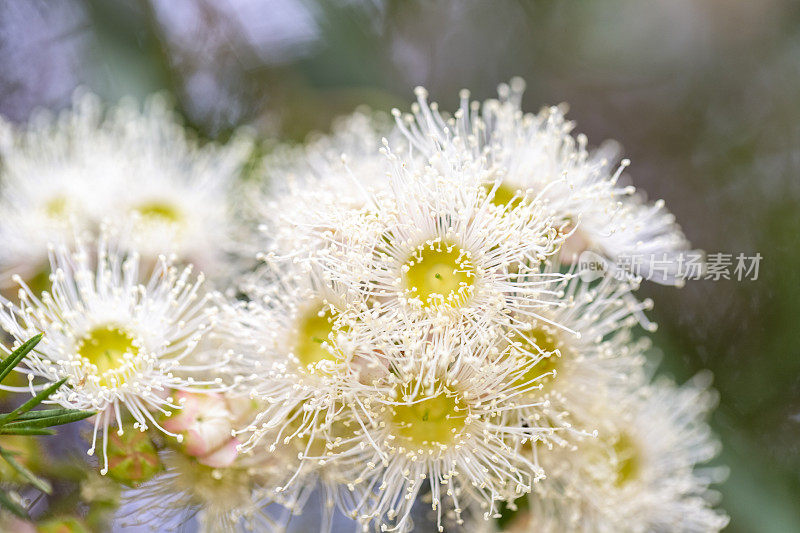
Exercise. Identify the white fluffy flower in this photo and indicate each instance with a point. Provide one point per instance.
(433, 249)
(443, 417)
(137, 167)
(641, 473)
(537, 155)
(123, 340)
(294, 335)
(584, 346)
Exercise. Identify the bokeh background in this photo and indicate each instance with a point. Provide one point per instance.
(704, 96)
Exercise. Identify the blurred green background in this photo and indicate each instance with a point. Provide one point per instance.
(703, 95)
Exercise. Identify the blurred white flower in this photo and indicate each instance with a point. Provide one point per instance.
(308, 185)
(642, 472)
(136, 168)
(224, 499)
(207, 475)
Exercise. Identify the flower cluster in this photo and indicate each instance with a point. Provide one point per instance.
(416, 333)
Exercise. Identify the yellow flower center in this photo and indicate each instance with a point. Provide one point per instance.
(505, 196)
(528, 345)
(106, 347)
(315, 333)
(433, 421)
(159, 211)
(217, 488)
(57, 207)
(628, 459)
(326, 440)
(40, 280)
(439, 273)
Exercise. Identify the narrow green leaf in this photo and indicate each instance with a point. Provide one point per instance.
(43, 412)
(8, 364)
(49, 421)
(12, 506)
(37, 482)
(26, 431)
(33, 402)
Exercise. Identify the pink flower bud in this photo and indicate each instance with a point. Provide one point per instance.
(205, 422)
(223, 456)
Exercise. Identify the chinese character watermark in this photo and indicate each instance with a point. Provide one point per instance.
(671, 267)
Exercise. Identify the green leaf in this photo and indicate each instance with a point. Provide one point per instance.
(33, 402)
(43, 412)
(8, 364)
(37, 482)
(24, 421)
(49, 421)
(26, 431)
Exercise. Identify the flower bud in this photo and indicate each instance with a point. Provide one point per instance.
(204, 421)
(132, 457)
(223, 456)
